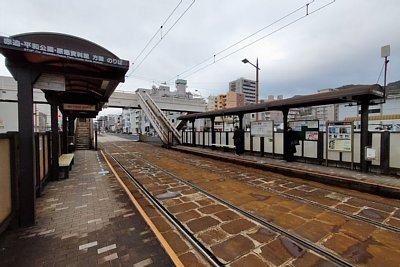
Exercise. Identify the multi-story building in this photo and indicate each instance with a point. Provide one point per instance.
(246, 87)
(275, 115)
(211, 103)
(221, 102)
(234, 99)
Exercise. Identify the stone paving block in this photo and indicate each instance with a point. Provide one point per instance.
(204, 202)
(188, 215)
(190, 259)
(232, 248)
(227, 215)
(310, 259)
(202, 223)
(237, 226)
(213, 236)
(262, 235)
(281, 250)
(161, 224)
(288, 221)
(357, 230)
(339, 243)
(314, 230)
(307, 211)
(385, 256)
(177, 244)
(347, 208)
(393, 222)
(212, 209)
(182, 207)
(249, 260)
(374, 214)
(332, 218)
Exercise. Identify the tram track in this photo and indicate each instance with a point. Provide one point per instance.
(302, 242)
(326, 207)
(198, 245)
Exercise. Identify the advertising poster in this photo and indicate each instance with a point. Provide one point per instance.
(306, 130)
(311, 136)
(340, 137)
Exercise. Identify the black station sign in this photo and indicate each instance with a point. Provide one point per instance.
(31, 47)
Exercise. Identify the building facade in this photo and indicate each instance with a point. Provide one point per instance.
(9, 110)
(234, 99)
(246, 87)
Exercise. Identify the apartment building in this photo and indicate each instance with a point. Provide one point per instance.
(246, 87)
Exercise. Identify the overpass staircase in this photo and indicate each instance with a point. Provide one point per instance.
(82, 134)
(164, 128)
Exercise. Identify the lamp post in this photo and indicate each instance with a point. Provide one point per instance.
(245, 61)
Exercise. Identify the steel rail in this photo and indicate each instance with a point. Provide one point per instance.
(301, 241)
(341, 212)
(203, 250)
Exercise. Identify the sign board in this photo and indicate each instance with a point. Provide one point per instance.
(306, 129)
(50, 82)
(340, 136)
(79, 107)
(370, 153)
(262, 128)
(311, 136)
(385, 51)
(39, 48)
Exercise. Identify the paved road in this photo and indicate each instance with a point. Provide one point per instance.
(86, 220)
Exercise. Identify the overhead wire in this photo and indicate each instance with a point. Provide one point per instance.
(162, 37)
(155, 34)
(380, 73)
(253, 42)
(242, 40)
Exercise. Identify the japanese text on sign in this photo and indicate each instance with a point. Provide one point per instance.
(340, 137)
(61, 52)
(262, 128)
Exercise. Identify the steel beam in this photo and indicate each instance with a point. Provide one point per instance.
(285, 113)
(365, 140)
(54, 142)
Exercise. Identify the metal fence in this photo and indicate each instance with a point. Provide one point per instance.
(386, 145)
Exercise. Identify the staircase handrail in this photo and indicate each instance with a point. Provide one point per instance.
(153, 119)
(167, 123)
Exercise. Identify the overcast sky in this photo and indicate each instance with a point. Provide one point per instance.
(339, 44)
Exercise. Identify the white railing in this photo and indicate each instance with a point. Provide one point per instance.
(163, 117)
(153, 119)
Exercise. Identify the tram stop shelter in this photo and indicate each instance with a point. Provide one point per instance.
(77, 76)
(364, 96)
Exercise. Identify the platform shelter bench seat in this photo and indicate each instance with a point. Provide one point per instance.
(65, 162)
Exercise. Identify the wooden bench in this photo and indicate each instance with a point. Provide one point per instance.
(65, 162)
(225, 147)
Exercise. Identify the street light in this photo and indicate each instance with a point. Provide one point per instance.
(245, 61)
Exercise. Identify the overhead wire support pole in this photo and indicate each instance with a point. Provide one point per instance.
(384, 77)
